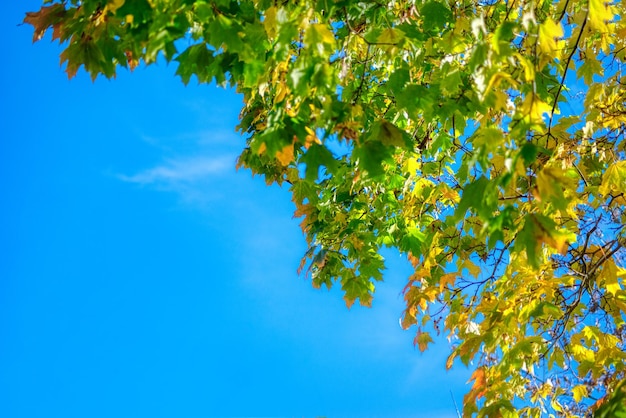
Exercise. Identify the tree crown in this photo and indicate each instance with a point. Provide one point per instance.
(483, 139)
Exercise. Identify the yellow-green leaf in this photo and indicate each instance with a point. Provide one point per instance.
(422, 339)
(579, 392)
(549, 34)
(614, 179)
(599, 14)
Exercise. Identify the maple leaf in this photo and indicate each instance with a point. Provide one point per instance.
(46, 17)
(533, 109)
(479, 387)
(599, 14)
(549, 33)
(422, 339)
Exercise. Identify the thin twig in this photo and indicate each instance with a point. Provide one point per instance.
(456, 408)
(569, 59)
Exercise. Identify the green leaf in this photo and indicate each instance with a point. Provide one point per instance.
(140, 10)
(370, 157)
(530, 238)
(196, 60)
(315, 157)
(589, 68)
(436, 15)
(388, 134)
(412, 241)
(474, 197)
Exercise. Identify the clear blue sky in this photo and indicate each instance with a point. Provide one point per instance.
(141, 275)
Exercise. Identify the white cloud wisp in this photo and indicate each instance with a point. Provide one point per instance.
(185, 170)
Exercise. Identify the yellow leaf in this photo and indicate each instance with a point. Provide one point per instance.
(494, 81)
(533, 109)
(270, 22)
(552, 181)
(447, 279)
(450, 361)
(529, 68)
(285, 155)
(411, 165)
(579, 392)
(609, 273)
(549, 33)
(448, 194)
(471, 267)
(582, 353)
(325, 33)
(599, 14)
(281, 92)
(113, 5)
(614, 179)
(620, 305)
(311, 138)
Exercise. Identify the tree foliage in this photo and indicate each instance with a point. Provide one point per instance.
(484, 139)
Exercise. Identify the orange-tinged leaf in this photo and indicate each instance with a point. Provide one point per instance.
(113, 5)
(447, 279)
(560, 240)
(311, 138)
(422, 339)
(471, 267)
(46, 17)
(285, 155)
(450, 360)
(479, 387)
(132, 63)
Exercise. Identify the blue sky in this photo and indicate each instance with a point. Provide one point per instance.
(142, 275)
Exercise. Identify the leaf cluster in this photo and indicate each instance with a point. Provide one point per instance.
(484, 140)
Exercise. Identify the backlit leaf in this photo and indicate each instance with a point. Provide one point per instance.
(422, 339)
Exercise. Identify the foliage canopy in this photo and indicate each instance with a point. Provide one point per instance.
(484, 139)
